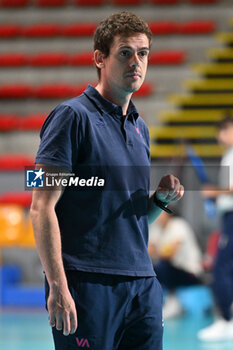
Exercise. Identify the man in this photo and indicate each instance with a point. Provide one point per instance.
(101, 289)
(222, 328)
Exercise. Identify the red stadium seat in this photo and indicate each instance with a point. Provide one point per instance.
(13, 59)
(163, 27)
(52, 3)
(9, 31)
(31, 122)
(53, 90)
(164, 2)
(87, 29)
(81, 59)
(145, 90)
(203, 1)
(8, 122)
(196, 27)
(62, 90)
(89, 2)
(79, 29)
(167, 57)
(41, 30)
(48, 59)
(127, 2)
(15, 162)
(13, 3)
(15, 91)
(78, 59)
(21, 198)
(79, 88)
(59, 90)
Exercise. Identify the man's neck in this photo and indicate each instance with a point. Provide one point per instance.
(115, 97)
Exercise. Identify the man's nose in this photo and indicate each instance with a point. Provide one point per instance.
(134, 60)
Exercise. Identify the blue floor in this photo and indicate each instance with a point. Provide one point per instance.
(181, 334)
(25, 331)
(30, 331)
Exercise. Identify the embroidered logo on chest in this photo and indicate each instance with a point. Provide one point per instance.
(138, 131)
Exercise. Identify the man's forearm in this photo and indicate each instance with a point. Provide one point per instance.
(48, 242)
(153, 210)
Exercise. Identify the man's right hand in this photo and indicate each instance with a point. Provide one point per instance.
(62, 311)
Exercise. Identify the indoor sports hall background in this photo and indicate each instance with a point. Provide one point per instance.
(46, 57)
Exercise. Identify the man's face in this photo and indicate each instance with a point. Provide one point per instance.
(125, 67)
(225, 136)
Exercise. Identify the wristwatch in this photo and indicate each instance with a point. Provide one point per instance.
(161, 204)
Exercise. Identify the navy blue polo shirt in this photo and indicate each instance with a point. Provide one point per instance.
(103, 230)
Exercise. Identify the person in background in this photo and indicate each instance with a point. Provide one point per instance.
(176, 257)
(222, 328)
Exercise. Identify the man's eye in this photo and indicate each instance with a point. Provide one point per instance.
(143, 53)
(125, 53)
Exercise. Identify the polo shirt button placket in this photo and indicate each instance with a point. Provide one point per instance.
(129, 131)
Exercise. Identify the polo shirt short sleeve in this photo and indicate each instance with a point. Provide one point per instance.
(59, 138)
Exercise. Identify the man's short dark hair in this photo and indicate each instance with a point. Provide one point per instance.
(226, 121)
(120, 23)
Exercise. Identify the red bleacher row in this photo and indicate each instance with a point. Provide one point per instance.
(44, 3)
(56, 90)
(13, 122)
(15, 162)
(87, 29)
(21, 198)
(46, 59)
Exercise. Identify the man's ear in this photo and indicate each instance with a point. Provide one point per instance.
(99, 59)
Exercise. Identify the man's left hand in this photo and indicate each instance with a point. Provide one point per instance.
(169, 189)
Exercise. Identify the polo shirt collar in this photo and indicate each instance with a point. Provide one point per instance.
(109, 107)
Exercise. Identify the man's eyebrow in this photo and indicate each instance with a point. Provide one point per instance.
(144, 48)
(140, 49)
